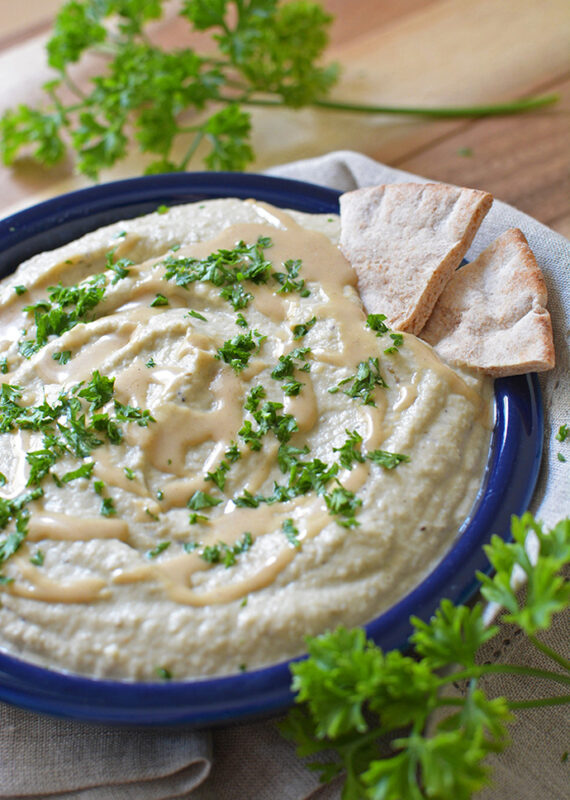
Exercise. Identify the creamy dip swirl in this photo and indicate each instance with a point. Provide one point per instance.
(249, 498)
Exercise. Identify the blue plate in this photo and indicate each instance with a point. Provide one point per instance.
(508, 484)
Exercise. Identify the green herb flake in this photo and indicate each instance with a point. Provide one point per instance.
(218, 476)
(163, 673)
(129, 473)
(3, 479)
(150, 363)
(38, 558)
(99, 487)
(237, 351)
(562, 434)
(196, 315)
(107, 507)
(62, 356)
(4, 365)
(561, 457)
(291, 532)
(350, 450)
(398, 341)
(363, 383)
(241, 321)
(233, 453)
(195, 518)
(385, 459)
(303, 328)
(376, 323)
(343, 503)
(162, 209)
(151, 514)
(20, 289)
(200, 500)
(190, 547)
(158, 549)
(84, 471)
(159, 300)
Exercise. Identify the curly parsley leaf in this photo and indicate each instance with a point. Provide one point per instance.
(350, 693)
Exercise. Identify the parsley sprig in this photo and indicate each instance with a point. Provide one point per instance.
(351, 693)
(265, 53)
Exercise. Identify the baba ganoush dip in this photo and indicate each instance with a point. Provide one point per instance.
(208, 452)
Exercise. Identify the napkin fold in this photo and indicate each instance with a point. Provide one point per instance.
(61, 760)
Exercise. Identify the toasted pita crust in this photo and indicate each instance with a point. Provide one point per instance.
(492, 316)
(405, 241)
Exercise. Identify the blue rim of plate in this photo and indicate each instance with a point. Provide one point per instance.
(509, 481)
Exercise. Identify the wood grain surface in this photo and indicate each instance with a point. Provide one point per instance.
(430, 52)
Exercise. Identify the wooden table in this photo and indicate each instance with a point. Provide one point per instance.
(430, 52)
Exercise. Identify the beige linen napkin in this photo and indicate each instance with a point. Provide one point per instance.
(59, 760)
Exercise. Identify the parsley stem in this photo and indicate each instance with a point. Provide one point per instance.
(192, 149)
(563, 662)
(559, 700)
(514, 107)
(514, 669)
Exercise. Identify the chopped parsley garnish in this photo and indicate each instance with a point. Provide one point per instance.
(159, 300)
(162, 209)
(343, 503)
(99, 487)
(226, 554)
(303, 328)
(218, 476)
(196, 315)
(232, 453)
(189, 547)
(66, 307)
(227, 269)
(561, 457)
(38, 558)
(398, 340)
(150, 363)
(350, 450)
(254, 398)
(363, 383)
(4, 365)
(163, 672)
(237, 351)
(288, 280)
(62, 356)
(20, 289)
(127, 413)
(194, 519)
(200, 500)
(157, 550)
(3, 480)
(241, 321)
(268, 419)
(385, 459)
(84, 471)
(292, 387)
(291, 533)
(129, 473)
(562, 434)
(376, 323)
(107, 507)
(286, 366)
(120, 267)
(98, 391)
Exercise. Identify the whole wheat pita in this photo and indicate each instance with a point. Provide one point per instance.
(405, 241)
(492, 314)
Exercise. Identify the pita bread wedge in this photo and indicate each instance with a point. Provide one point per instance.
(492, 315)
(405, 241)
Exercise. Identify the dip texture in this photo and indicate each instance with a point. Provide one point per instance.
(207, 453)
